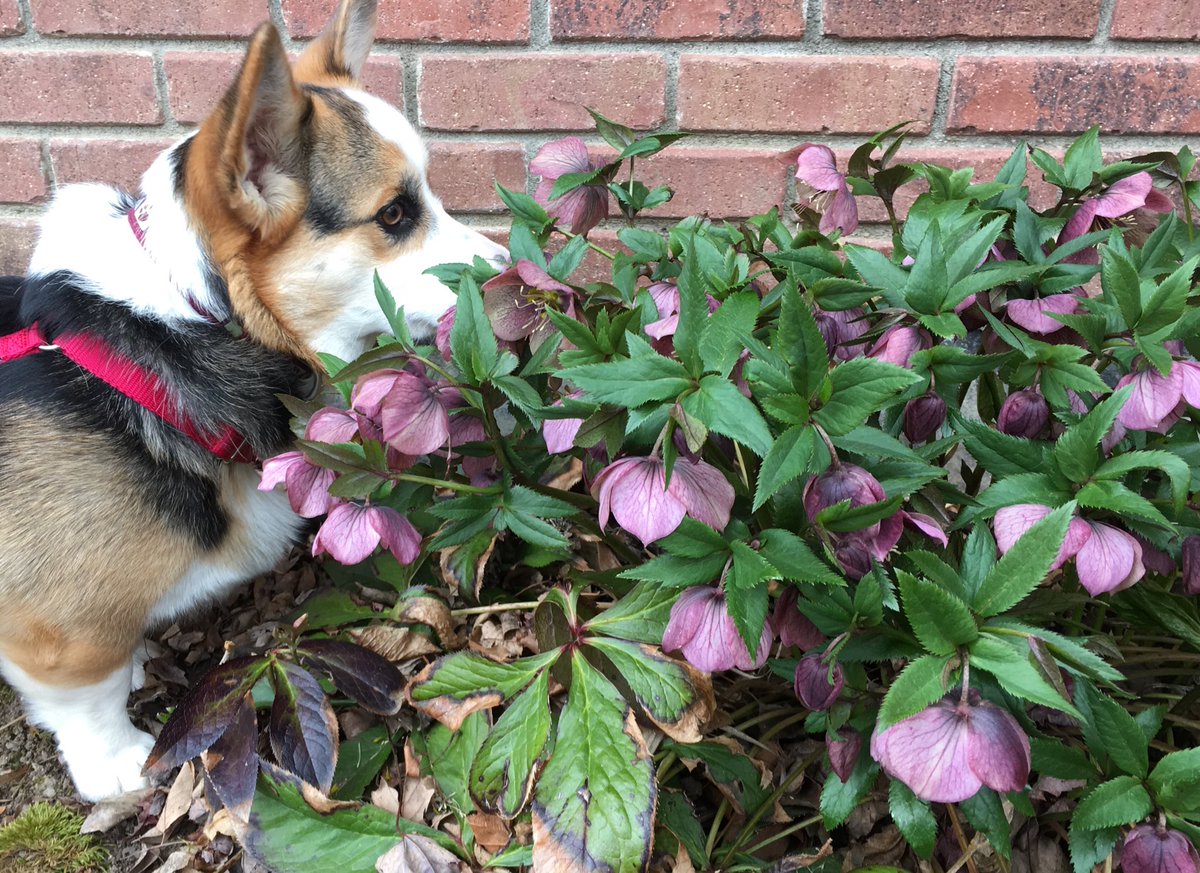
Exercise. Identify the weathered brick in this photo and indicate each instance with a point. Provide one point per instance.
(462, 173)
(922, 19)
(719, 182)
(22, 180)
(149, 17)
(678, 19)
(495, 21)
(17, 236)
(10, 18)
(196, 81)
(805, 95)
(506, 91)
(82, 87)
(1068, 95)
(1156, 19)
(119, 162)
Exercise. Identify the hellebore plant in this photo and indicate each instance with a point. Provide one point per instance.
(697, 545)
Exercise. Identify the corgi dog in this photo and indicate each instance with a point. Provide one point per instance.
(130, 411)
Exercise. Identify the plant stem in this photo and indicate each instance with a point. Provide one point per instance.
(769, 804)
(716, 826)
(442, 483)
(786, 832)
(494, 608)
(612, 256)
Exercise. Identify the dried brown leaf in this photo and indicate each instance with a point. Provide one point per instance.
(394, 642)
(418, 854)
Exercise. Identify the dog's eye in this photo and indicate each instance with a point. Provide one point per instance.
(391, 215)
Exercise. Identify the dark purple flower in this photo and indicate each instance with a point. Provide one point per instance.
(307, 484)
(1191, 564)
(813, 686)
(843, 751)
(841, 330)
(816, 167)
(792, 625)
(1149, 849)
(634, 490)
(353, 531)
(948, 751)
(855, 550)
(1120, 199)
(701, 627)
(582, 208)
(1024, 413)
(923, 416)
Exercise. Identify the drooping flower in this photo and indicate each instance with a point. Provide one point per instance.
(840, 330)
(812, 682)
(950, 750)
(1150, 849)
(582, 208)
(307, 484)
(331, 425)
(816, 167)
(559, 433)
(792, 625)
(1191, 564)
(666, 300)
(700, 626)
(923, 416)
(516, 302)
(1158, 401)
(635, 492)
(413, 419)
(898, 344)
(843, 751)
(854, 550)
(1024, 413)
(1034, 314)
(353, 531)
(1120, 199)
(1106, 557)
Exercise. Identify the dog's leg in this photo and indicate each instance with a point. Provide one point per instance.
(103, 751)
(146, 650)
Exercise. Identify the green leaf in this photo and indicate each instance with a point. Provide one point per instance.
(978, 559)
(1082, 159)
(454, 686)
(1121, 736)
(447, 755)
(1056, 758)
(1176, 469)
(472, 343)
(913, 817)
(360, 759)
(799, 340)
(1167, 303)
(859, 388)
(504, 769)
(1075, 451)
(523, 206)
(918, 685)
(985, 812)
(1116, 498)
(661, 685)
(673, 571)
(1025, 565)
(394, 314)
(747, 587)
(1016, 673)
(1175, 781)
(1116, 802)
(1121, 284)
(877, 270)
(641, 615)
(874, 443)
(693, 311)
(694, 539)
(839, 799)
(675, 814)
(794, 560)
(721, 344)
(724, 409)
(736, 772)
(596, 796)
(790, 456)
(616, 135)
(940, 620)
(1089, 848)
(630, 382)
(1000, 453)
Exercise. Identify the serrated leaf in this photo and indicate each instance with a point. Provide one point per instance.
(503, 772)
(1175, 781)
(673, 695)
(630, 382)
(860, 387)
(1025, 565)
(1089, 848)
(723, 409)
(641, 615)
(799, 340)
(918, 685)
(358, 673)
(794, 560)
(839, 799)
(940, 620)
(986, 814)
(1016, 673)
(1120, 735)
(454, 686)
(673, 571)
(304, 730)
(746, 584)
(789, 457)
(913, 817)
(1116, 802)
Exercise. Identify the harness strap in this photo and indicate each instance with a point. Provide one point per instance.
(127, 377)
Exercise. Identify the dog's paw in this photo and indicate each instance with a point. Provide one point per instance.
(101, 773)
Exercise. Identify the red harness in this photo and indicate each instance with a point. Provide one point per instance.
(94, 356)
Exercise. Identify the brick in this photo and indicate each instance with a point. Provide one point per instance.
(118, 162)
(149, 17)
(677, 19)
(84, 87)
(17, 236)
(1156, 19)
(1068, 95)
(23, 180)
(10, 18)
(462, 173)
(806, 94)
(923, 19)
(719, 182)
(478, 21)
(506, 91)
(196, 81)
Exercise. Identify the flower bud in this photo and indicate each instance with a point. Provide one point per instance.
(843, 752)
(837, 484)
(812, 683)
(1191, 564)
(1149, 849)
(923, 416)
(792, 625)
(1024, 414)
(854, 559)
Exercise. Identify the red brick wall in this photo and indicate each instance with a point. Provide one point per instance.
(92, 90)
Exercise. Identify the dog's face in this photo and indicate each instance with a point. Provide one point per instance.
(304, 186)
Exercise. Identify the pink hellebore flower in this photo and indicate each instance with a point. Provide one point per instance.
(812, 683)
(352, 532)
(331, 425)
(898, 344)
(792, 625)
(700, 626)
(1034, 315)
(307, 484)
(634, 490)
(1157, 401)
(855, 550)
(1106, 557)
(816, 167)
(666, 299)
(1149, 849)
(559, 433)
(516, 302)
(580, 209)
(441, 339)
(1120, 199)
(950, 750)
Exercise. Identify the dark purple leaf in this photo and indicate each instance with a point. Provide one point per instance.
(206, 713)
(304, 730)
(359, 673)
(232, 762)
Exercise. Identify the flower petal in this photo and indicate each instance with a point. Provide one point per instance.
(413, 420)
(928, 753)
(704, 492)
(559, 434)
(512, 316)
(1033, 314)
(1124, 196)
(347, 534)
(1153, 399)
(998, 752)
(816, 166)
(396, 533)
(686, 614)
(1107, 559)
(709, 648)
(331, 425)
(841, 213)
(928, 526)
(566, 155)
(635, 492)
(581, 208)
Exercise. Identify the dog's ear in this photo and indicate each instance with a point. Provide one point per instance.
(255, 133)
(341, 49)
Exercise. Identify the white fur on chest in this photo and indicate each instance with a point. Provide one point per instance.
(261, 528)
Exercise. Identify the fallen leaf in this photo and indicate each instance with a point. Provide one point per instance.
(491, 831)
(112, 811)
(394, 642)
(417, 854)
(386, 797)
(179, 800)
